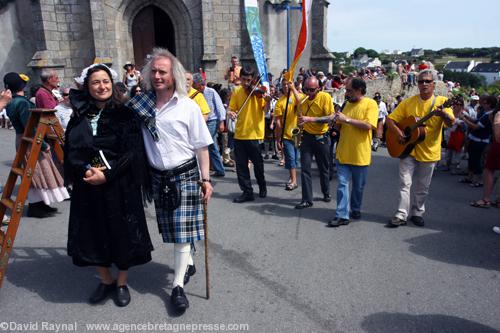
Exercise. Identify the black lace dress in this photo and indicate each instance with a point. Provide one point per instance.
(107, 224)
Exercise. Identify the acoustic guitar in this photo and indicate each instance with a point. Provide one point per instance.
(414, 131)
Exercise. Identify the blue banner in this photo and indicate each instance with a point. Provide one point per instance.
(253, 27)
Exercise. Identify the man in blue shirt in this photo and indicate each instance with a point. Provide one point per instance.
(215, 121)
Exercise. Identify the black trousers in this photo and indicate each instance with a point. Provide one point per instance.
(245, 150)
(318, 146)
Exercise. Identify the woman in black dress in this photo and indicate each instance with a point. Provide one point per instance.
(106, 164)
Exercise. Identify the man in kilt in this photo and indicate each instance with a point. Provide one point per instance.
(176, 139)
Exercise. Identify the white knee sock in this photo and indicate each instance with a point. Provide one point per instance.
(182, 252)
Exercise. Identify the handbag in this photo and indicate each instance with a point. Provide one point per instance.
(456, 140)
(170, 196)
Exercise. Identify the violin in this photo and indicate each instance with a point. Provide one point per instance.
(258, 89)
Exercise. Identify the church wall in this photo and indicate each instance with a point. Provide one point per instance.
(16, 38)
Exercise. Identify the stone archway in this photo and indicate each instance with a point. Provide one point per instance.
(185, 17)
(151, 27)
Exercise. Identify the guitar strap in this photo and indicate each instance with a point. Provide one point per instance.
(432, 106)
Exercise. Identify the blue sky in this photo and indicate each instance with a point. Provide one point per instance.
(405, 24)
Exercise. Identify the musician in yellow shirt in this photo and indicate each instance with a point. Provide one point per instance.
(197, 96)
(356, 122)
(423, 158)
(286, 126)
(248, 108)
(315, 140)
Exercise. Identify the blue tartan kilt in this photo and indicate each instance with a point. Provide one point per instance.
(185, 223)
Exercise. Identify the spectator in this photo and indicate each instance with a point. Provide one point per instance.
(63, 109)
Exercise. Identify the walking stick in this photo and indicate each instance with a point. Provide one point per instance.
(205, 228)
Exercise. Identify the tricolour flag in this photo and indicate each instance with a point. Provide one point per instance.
(302, 40)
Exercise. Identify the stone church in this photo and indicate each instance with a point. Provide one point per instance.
(68, 35)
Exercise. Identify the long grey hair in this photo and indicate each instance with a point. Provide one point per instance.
(178, 71)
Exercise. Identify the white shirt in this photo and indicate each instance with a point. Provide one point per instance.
(382, 110)
(182, 130)
(63, 113)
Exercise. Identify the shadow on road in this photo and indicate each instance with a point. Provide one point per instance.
(50, 273)
(385, 322)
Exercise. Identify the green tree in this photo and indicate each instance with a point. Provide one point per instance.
(359, 52)
(465, 79)
(371, 53)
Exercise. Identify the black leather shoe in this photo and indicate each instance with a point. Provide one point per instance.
(179, 299)
(243, 198)
(122, 297)
(337, 222)
(327, 198)
(304, 204)
(102, 292)
(191, 269)
(48, 208)
(36, 210)
(262, 192)
(418, 221)
(355, 215)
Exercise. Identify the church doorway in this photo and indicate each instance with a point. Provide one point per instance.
(151, 27)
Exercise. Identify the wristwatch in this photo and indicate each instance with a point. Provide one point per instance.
(347, 120)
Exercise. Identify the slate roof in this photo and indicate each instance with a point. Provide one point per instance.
(493, 67)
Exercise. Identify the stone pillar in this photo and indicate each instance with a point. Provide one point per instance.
(63, 37)
(321, 56)
(47, 38)
(209, 58)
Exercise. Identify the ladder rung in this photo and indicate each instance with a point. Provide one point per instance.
(25, 138)
(18, 171)
(7, 203)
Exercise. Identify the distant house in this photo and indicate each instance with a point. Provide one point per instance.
(460, 66)
(490, 71)
(417, 53)
(372, 63)
(360, 62)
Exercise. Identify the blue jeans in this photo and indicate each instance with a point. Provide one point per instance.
(213, 149)
(346, 172)
(291, 155)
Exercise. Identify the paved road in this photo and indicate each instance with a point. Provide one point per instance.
(281, 270)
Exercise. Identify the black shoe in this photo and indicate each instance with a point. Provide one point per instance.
(337, 222)
(355, 215)
(122, 297)
(243, 198)
(263, 192)
(179, 299)
(219, 175)
(304, 204)
(266, 157)
(395, 222)
(418, 221)
(36, 210)
(102, 292)
(275, 157)
(327, 198)
(191, 269)
(48, 208)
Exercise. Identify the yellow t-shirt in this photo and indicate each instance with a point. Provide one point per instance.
(250, 124)
(355, 144)
(428, 150)
(320, 106)
(291, 115)
(200, 100)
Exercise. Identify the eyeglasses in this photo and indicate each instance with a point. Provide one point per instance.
(425, 81)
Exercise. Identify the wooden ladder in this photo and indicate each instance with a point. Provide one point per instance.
(42, 125)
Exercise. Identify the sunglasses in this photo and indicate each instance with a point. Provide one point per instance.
(425, 81)
(310, 89)
(65, 94)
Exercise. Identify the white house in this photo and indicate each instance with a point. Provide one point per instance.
(460, 66)
(490, 71)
